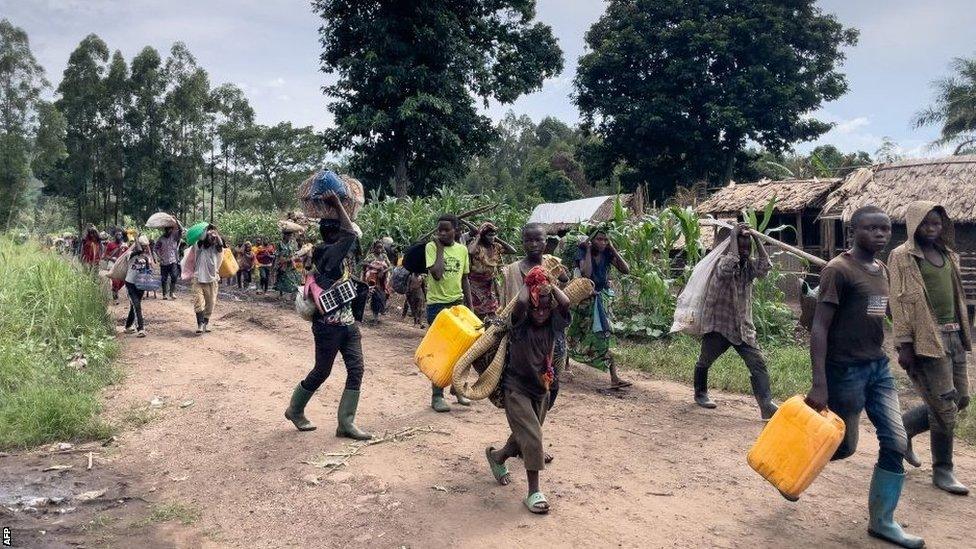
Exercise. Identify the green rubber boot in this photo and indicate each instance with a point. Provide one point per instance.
(437, 401)
(347, 416)
(882, 500)
(296, 408)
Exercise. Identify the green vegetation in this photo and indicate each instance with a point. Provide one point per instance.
(674, 360)
(168, 512)
(51, 312)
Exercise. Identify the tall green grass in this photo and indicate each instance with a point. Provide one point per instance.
(50, 311)
(674, 360)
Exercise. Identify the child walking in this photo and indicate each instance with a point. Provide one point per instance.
(932, 331)
(727, 318)
(850, 367)
(486, 251)
(448, 266)
(540, 314)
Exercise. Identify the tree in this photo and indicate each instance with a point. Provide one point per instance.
(81, 102)
(282, 156)
(145, 120)
(21, 83)
(115, 135)
(954, 108)
(408, 76)
(185, 106)
(676, 89)
(233, 125)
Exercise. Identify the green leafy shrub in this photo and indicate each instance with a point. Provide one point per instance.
(51, 312)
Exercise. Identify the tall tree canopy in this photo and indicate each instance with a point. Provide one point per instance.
(408, 75)
(677, 89)
(30, 135)
(954, 108)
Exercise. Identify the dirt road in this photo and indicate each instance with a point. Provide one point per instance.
(643, 468)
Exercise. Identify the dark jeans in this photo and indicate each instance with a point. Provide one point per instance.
(135, 306)
(868, 386)
(265, 277)
(330, 341)
(169, 273)
(244, 278)
(715, 344)
(434, 308)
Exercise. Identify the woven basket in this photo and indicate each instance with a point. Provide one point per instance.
(319, 209)
(577, 291)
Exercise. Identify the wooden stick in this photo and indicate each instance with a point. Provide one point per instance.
(820, 262)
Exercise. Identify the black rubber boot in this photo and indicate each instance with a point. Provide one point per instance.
(199, 323)
(943, 476)
(760, 388)
(296, 408)
(347, 416)
(916, 422)
(206, 325)
(437, 401)
(701, 389)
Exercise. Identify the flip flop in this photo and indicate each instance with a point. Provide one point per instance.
(537, 503)
(498, 470)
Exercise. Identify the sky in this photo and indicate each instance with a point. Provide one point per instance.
(270, 49)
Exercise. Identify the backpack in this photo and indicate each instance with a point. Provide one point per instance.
(400, 280)
(415, 258)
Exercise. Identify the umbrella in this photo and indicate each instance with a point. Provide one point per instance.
(196, 232)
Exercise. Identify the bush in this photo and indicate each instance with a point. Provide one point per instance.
(406, 220)
(51, 311)
(241, 225)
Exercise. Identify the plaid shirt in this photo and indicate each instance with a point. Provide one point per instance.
(728, 301)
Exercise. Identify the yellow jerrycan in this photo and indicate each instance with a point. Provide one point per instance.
(452, 333)
(795, 446)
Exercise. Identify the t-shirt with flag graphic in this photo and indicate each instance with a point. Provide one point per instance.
(861, 296)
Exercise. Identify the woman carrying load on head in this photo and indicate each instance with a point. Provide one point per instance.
(336, 332)
(486, 252)
(590, 336)
(376, 273)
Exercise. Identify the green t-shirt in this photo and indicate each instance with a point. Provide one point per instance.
(938, 286)
(456, 265)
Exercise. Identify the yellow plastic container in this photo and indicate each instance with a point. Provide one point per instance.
(795, 446)
(228, 264)
(453, 332)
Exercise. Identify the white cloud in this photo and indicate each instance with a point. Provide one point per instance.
(851, 126)
(278, 82)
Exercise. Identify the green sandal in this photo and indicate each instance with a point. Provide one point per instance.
(498, 470)
(537, 503)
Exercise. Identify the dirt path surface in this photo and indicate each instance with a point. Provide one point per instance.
(644, 468)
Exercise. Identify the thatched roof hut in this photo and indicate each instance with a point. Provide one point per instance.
(798, 204)
(792, 196)
(891, 187)
(950, 181)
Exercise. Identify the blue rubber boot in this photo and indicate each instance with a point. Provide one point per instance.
(882, 500)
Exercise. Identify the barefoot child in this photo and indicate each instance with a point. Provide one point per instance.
(541, 312)
(850, 368)
(932, 331)
(727, 318)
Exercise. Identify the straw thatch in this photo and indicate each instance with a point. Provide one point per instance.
(792, 196)
(950, 181)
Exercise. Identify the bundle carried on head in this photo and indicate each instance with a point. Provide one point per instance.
(312, 191)
(496, 336)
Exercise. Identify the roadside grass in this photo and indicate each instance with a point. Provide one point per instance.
(51, 312)
(168, 512)
(674, 360)
(789, 370)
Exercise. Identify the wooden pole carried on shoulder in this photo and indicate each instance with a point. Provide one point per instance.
(818, 261)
